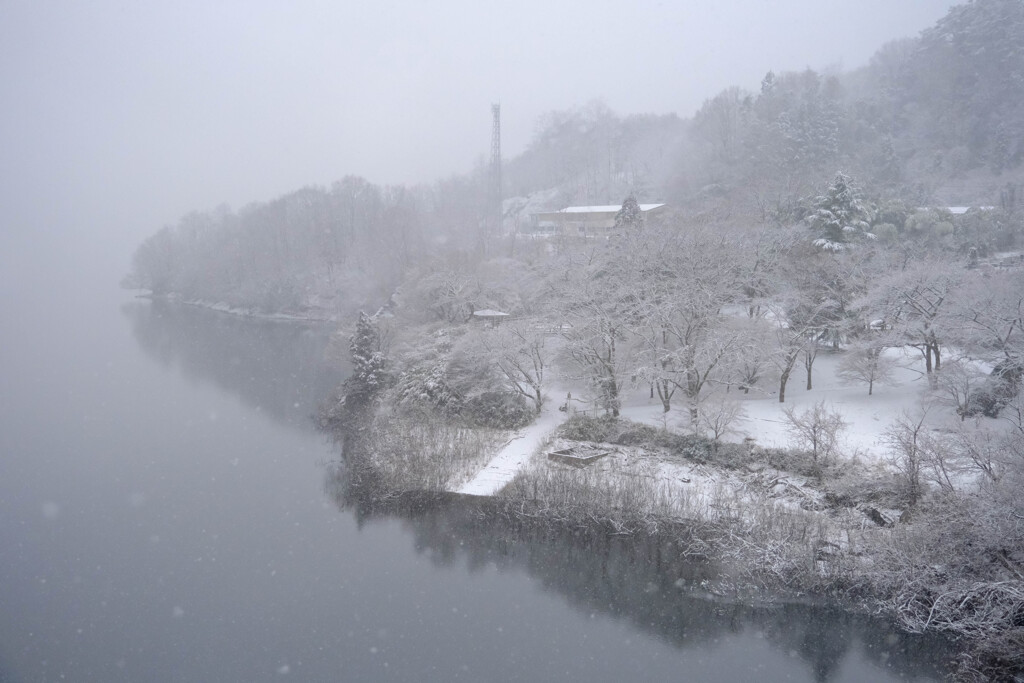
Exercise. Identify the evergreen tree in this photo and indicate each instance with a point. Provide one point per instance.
(839, 216)
(368, 364)
(630, 215)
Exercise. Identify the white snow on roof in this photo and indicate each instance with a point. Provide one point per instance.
(964, 209)
(611, 208)
(488, 313)
(958, 210)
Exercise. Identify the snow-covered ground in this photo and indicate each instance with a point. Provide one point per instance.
(867, 417)
(516, 453)
(763, 420)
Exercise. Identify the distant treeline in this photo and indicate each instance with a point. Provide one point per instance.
(319, 250)
(934, 120)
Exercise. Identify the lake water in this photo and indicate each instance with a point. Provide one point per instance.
(169, 513)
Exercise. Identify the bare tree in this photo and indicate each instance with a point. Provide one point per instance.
(522, 357)
(797, 326)
(867, 363)
(915, 304)
(816, 429)
(906, 437)
(990, 309)
(686, 277)
(719, 415)
(960, 381)
(983, 449)
(810, 355)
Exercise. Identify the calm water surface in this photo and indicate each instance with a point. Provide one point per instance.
(167, 514)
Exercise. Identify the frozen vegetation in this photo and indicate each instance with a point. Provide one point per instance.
(834, 420)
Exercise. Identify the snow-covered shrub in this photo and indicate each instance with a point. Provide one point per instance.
(427, 387)
(584, 428)
(628, 433)
(498, 410)
(995, 392)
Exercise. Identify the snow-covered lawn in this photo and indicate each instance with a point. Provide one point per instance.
(867, 417)
(763, 422)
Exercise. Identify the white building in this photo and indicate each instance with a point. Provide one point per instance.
(582, 221)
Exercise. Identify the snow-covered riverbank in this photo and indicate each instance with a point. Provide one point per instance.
(311, 314)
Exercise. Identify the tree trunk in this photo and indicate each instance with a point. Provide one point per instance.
(787, 368)
(613, 395)
(928, 371)
(809, 356)
(663, 393)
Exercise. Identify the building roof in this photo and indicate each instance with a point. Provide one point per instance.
(610, 208)
(956, 210)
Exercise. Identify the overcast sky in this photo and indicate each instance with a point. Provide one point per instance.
(119, 117)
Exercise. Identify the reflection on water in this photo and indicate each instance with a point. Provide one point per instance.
(648, 583)
(279, 368)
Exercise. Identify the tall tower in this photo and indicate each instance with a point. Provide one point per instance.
(496, 168)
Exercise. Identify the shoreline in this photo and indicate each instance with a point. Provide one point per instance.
(763, 552)
(222, 307)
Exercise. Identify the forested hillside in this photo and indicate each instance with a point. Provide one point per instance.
(934, 120)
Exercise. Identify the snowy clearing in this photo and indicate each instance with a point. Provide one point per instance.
(763, 422)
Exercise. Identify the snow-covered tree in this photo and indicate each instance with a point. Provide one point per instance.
(594, 308)
(369, 372)
(595, 345)
(914, 305)
(685, 340)
(839, 216)
(866, 362)
(629, 216)
(718, 416)
(799, 320)
(990, 311)
(523, 358)
(961, 381)
(816, 429)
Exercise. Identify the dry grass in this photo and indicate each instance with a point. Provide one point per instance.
(755, 536)
(423, 452)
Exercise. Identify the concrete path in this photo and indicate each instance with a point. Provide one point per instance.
(516, 453)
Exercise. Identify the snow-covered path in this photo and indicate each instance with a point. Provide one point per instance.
(516, 453)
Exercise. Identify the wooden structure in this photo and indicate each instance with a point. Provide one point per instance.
(578, 456)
